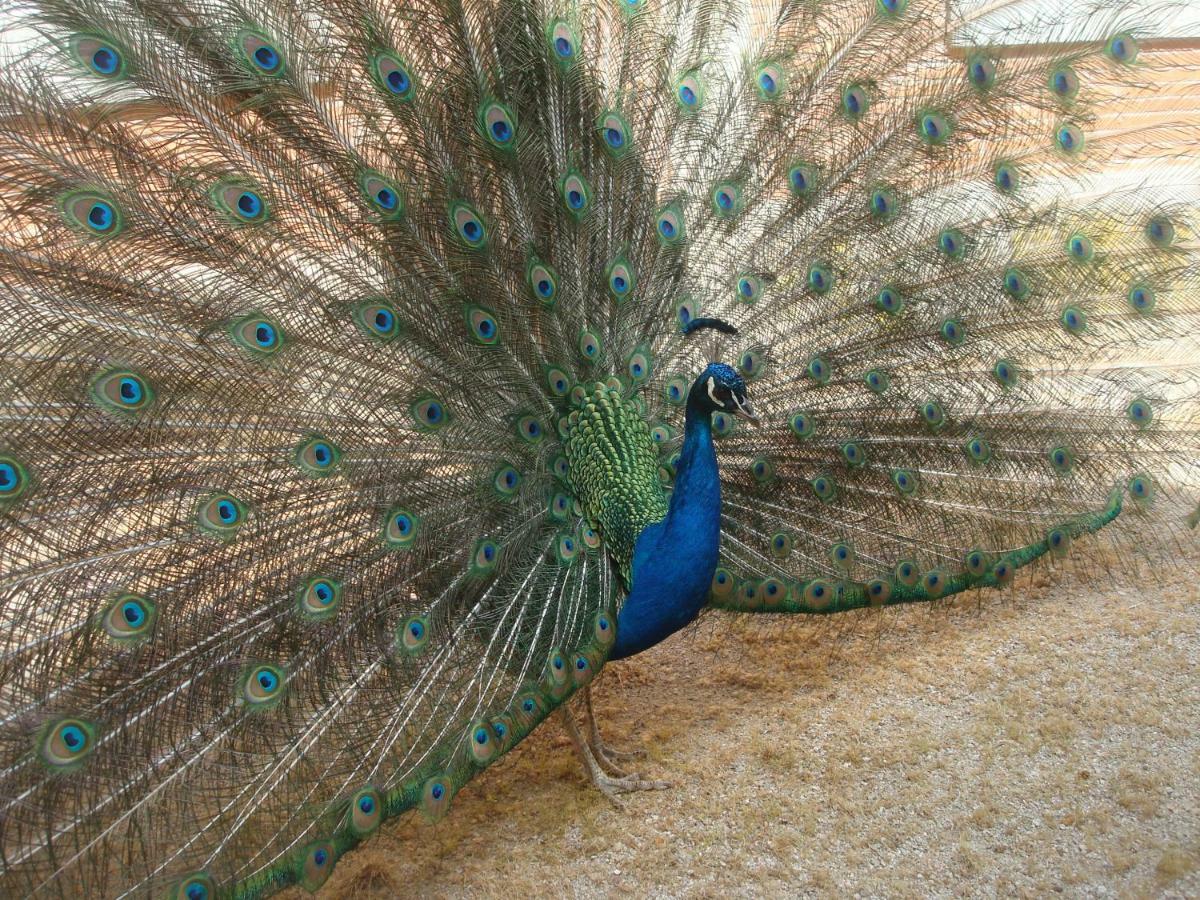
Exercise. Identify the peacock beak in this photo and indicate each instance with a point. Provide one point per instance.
(746, 411)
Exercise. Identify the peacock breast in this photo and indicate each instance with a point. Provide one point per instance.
(614, 471)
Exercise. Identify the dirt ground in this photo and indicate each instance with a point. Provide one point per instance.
(1044, 742)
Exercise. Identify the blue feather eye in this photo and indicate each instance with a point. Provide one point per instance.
(589, 345)
(530, 429)
(722, 424)
(883, 204)
(762, 469)
(907, 573)
(640, 365)
(855, 101)
(562, 40)
(317, 457)
(429, 413)
(365, 811)
(14, 479)
(566, 548)
(751, 364)
(542, 281)
(1141, 298)
(220, 515)
(669, 225)
(620, 279)
(877, 381)
(262, 686)
(1123, 48)
(560, 507)
(1005, 372)
(803, 425)
(1006, 177)
(91, 213)
(904, 480)
(687, 309)
(128, 618)
(932, 414)
(468, 224)
(802, 179)
(614, 133)
(121, 391)
(317, 862)
(1073, 319)
(981, 72)
(853, 453)
(749, 288)
(1140, 413)
(383, 194)
(781, 545)
(660, 434)
(1062, 459)
(769, 80)
(689, 91)
(1141, 488)
(196, 886)
(259, 53)
(65, 744)
(436, 796)
(891, 8)
(400, 528)
(1016, 284)
(557, 381)
(413, 635)
(576, 194)
(889, 300)
(506, 480)
(239, 203)
(485, 557)
(934, 127)
(257, 335)
(978, 450)
(818, 370)
(317, 599)
(1160, 231)
(392, 75)
(99, 55)
(824, 487)
(377, 320)
(1069, 139)
(952, 243)
(1080, 248)
(498, 123)
(1063, 83)
(724, 585)
(481, 325)
(820, 278)
(676, 390)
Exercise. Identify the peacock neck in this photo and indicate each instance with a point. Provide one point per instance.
(674, 559)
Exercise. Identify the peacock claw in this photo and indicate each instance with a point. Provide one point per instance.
(608, 778)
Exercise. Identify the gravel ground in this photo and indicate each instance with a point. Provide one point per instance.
(1036, 744)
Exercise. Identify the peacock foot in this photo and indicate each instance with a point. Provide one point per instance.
(603, 752)
(607, 777)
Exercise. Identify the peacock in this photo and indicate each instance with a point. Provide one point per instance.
(375, 372)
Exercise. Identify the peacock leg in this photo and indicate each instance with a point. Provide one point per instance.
(599, 748)
(610, 786)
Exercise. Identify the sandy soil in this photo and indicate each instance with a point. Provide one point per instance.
(1030, 745)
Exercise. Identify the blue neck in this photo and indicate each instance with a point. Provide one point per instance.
(674, 560)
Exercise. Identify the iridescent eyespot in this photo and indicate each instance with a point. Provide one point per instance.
(820, 278)
(542, 281)
(365, 811)
(640, 365)
(576, 194)
(481, 325)
(723, 583)
(853, 453)
(614, 134)
(560, 507)
(889, 300)
(722, 424)
(802, 179)
(978, 450)
(818, 593)
(1141, 298)
(64, 744)
(122, 391)
(953, 332)
(976, 563)
(557, 381)
(566, 547)
(506, 480)
(750, 364)
(239, 203)
(1063, 83)
(841, 555)
(377, 319)
(259, 53)
(498, 123)
(818, 370)
(1141, 488)
(1058, 542)
(1080, 248)
(824, 487)
(468, 224)
(669, 225)
(1074, 319)
(769, 81)
(220, 515)
(1062, 459)
(932, 414)
(429, 413)
(907, 573)
(749, 288)
(1005, 372)
(1140, 413)
(383, 194)
(877, 381)
(589, 345)
(855, 101)
(883, 204)
(257, 335)
(1160, 231)
(686, 309)
(317, 456)
(262, 685)
(981, 72)
(196, 886)
(400, 528)
(563, 43)
(317, 862)
(561, 467)
(934, 583)
(781, 545)
(661, 434)
(934, 127)
(620, 279)
(1006, 177)
(14, 479)
(1016, 284)
(952, 243)
(1069, 138)
(91, 213)
(1123, 47)
(904, 480)
(676, 390)
(763, 470)
(413, 635)
(128, 618)
(391, 74)
(435, 797)
(589, 536)
(99, 55)
(689, 91)
(1003, 571)
(318, 598)
(530, 429)
(803, 424)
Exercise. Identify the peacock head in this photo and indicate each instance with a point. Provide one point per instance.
(720, 388)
